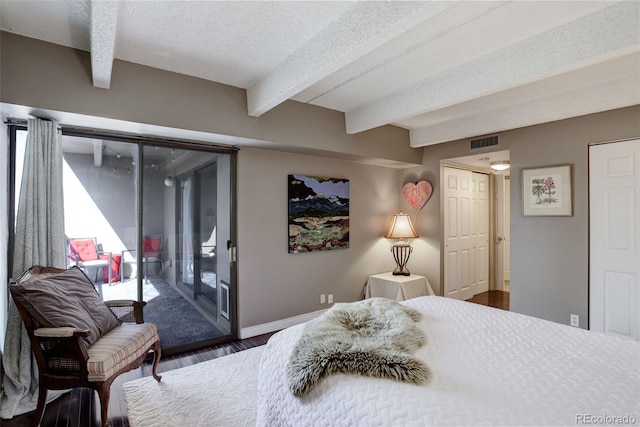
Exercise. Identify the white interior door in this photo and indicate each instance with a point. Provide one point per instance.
(457, 230)
(614, 207)
(466, 230)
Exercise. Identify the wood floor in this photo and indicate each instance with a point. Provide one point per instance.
(81, 408)
(496, 299)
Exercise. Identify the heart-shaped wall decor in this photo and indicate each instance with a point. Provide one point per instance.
(417, 194)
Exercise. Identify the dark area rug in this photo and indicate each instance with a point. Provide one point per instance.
(179, 322)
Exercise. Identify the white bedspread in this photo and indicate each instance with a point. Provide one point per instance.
(490, 367)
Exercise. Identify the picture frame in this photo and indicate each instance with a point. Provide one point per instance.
(318, 211)
(547, 191)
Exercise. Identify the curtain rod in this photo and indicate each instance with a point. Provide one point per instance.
(130, 137)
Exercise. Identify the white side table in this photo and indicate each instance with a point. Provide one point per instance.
(398, 288)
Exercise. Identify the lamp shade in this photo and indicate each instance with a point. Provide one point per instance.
(401, 227)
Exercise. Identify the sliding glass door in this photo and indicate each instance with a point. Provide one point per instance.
(183, 214)
(160, 218)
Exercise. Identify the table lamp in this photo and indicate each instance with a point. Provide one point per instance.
(401, 228)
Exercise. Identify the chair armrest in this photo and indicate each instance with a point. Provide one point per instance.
(109, 254)
(125, 303)
(125, 309)
(60, 351)
(127, 250)
(73, 260)
(60, 332)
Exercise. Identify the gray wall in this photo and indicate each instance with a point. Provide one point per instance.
(112, 192)
(560, 244)
(274, 284)
(153, 193)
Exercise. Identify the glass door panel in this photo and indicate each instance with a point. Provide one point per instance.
(179, 195)
(203, 218)
(100, 183)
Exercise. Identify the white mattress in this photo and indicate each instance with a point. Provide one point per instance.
(490, 367)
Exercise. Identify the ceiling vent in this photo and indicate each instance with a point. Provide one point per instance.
(484, 142)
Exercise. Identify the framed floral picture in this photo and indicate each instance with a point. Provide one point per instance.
(547, 191)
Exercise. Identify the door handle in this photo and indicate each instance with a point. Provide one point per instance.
(232, 253)
(500, 239)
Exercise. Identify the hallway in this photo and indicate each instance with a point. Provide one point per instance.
(495, 299)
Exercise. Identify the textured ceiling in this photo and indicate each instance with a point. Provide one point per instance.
(445, 70)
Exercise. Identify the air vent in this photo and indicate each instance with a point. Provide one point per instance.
(484, 142)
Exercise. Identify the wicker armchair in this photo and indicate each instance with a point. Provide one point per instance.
(66, 361)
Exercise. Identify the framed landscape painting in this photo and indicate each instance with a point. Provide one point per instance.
(318, 213)
(547, 191)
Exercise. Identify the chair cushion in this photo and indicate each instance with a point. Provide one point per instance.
(118, 348)
(151, 247)
(66, 299)
(85, 249)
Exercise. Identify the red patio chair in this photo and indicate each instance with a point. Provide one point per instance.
(152, 248)
(86, 254)
(151, 251)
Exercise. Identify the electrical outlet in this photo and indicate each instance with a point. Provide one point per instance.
(575, 320)
(322, 299)
(330, 300)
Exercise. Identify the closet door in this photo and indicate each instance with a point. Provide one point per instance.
(614, 208)
(466, 233)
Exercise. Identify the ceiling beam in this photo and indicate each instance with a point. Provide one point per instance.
(104, 20)
(601, 36)
(98, 146)
(613, 83)
(363, 28)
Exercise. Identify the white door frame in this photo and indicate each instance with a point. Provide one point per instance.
(502, 234)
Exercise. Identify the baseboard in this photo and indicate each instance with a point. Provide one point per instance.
(277, 325)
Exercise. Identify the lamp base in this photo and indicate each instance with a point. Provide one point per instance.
(401, 251)
(401, 272)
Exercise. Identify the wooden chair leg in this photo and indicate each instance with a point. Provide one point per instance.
(104, 392)
(156, 358)
(42, 401)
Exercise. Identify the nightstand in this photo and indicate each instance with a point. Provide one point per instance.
(398, 288)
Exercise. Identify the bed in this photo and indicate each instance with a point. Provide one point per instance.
(489, 367)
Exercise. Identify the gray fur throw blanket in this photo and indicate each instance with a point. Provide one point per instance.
(374, 337)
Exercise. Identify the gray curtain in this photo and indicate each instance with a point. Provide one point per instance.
(39, 240)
